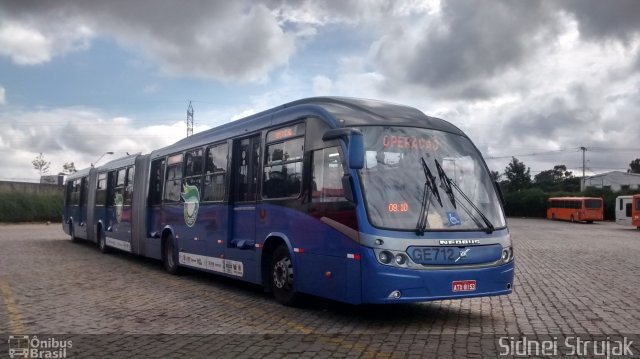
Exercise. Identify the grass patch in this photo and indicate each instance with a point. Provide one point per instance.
(30, 207)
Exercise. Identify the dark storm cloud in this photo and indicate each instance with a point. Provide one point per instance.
(471, 41)
(547, 119)
(465, 51)
(226, 40)
(597, 19)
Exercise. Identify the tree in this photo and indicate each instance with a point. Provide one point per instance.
(69, 168)
(495, 176)
(556, 175)
(557, 179)
(634, 166)
(40, 165)
(518, 175)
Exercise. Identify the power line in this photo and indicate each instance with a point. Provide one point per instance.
(532, 154)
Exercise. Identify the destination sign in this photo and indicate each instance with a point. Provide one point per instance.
(286, 132)
(409, 142)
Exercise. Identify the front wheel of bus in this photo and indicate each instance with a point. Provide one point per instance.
(282, 276)
(169, 257)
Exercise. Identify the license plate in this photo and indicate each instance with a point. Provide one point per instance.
(463, 286)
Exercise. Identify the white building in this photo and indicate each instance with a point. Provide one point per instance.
(614, 180)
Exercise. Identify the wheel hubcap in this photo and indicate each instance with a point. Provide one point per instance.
(283, 273)
(170, 256)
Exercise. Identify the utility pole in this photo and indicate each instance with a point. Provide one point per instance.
(189, 120)
(584, 183)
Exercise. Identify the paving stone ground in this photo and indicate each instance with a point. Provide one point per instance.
(572, 279)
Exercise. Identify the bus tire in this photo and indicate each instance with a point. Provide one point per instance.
(170, 256)
(282, 276)
(72, 233)
(102, 242)
(590, 222)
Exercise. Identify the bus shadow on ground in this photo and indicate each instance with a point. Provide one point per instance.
(424, 313)
(369, 315)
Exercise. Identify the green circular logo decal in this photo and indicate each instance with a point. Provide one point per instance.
(191, 197)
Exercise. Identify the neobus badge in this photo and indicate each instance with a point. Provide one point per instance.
(459, 241)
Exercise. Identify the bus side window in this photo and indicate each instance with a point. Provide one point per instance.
(326, 182)
(173, 181)
(128, 190)
(215, 173)
(111, 182)
(118, 191)
(68, 193)
(283, 169)
(75, 193)
(193, 170)
(628, 209)
(155, 187)
(101, 189)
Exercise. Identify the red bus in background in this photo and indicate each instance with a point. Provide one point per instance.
(573, 209)
(635, 211)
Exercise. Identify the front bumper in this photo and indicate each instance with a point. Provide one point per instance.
(419, 285)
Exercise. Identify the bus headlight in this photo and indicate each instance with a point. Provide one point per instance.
(505, 255)
(401, 259)
(385, 257)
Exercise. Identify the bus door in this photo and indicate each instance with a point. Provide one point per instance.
(120, 234)
(245, 178)
(81, 228)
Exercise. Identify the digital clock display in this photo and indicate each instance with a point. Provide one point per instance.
(394, 207)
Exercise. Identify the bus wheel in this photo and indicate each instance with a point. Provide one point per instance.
(102, 243)
(589, 222)
(169, 257)
(282, 276)
(72, 233)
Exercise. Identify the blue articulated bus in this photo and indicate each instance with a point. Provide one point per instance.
(355, 200)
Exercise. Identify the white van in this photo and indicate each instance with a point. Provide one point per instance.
(623, 210)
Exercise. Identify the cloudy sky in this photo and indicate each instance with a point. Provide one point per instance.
(534, 79)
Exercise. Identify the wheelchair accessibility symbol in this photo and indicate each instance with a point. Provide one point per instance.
(454, 220)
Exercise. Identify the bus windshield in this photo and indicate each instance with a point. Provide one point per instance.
(393, 181)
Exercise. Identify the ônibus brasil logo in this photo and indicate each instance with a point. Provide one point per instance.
(191, 197)
(118, 201)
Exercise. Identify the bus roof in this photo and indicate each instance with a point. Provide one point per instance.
(119, 162)
(338, 111)
(627, 196)
(78, 174)
(571, 198)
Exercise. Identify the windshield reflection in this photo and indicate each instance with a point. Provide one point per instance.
(393, 180)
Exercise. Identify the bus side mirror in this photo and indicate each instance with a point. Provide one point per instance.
(355, 145)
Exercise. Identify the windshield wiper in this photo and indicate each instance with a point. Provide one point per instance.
(448, 184)
(429, 190)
